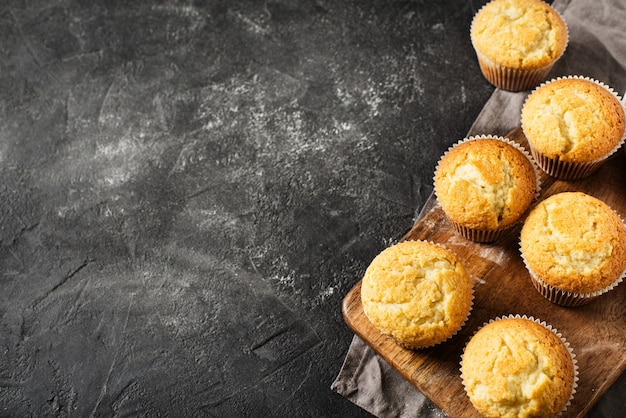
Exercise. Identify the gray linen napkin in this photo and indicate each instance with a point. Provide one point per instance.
(596, 49)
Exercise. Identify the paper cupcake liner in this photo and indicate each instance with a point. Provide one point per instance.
(568, 170)
(491, 235)
(548, 327)
(565, 170)
(511, 79)
(455, 332)
(514, 79)
(564, 297)
(480, 235)
(570, 299)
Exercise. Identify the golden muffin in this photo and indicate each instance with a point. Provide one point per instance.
(573, 125)
(516, 367)
(416, 292)
(485, 185)
(574, 246)
(517, 42)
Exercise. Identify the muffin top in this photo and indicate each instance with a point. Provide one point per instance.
(574, 242)
(573, 119)
(516, 367)
(485, 183)
(416, 292)
(525, 34)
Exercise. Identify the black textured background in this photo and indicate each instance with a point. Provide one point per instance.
(188, 189)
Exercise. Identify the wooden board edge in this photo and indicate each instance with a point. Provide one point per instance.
(351, 303)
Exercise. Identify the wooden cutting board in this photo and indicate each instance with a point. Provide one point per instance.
(596, 332)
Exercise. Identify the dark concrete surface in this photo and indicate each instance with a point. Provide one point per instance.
(189, 188)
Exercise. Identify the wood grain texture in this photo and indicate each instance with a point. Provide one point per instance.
(596, 331)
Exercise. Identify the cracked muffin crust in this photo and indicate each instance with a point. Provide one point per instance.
(573, 242)
(573, 119)
(517, 42)
(519, 33)
(416, 292)
(517, 367)
(485, 183)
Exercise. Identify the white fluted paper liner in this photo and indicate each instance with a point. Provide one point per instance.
(570, 299)
(566, 298)
(469, 311)
(568, 170)
(490, 235)
(513, 79)
(550, 328)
